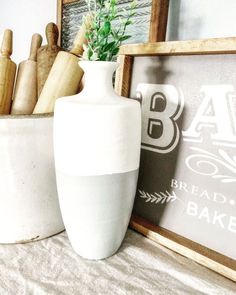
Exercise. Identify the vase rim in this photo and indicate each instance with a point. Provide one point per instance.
(98, 61)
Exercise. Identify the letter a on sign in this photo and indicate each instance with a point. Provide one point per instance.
(216, 114)
(161, 107)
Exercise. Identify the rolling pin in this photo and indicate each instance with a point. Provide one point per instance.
(7, 73)
(25, 95)
(46, 55)
(65, 75)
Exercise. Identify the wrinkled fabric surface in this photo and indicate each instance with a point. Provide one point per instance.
(140, 267)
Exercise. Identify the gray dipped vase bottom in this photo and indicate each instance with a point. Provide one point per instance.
(97, 136)
(100, 229)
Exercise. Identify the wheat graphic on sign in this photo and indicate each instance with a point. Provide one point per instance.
(162, 197)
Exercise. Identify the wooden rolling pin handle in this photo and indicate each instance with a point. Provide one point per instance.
(6, 49)
(35, 44)
(80, 38)
(52, 34)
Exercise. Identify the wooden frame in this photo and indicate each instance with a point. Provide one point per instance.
(205, 256)
(59, 19)
(158, 22)
(196, 47)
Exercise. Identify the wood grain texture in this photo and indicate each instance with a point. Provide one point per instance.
(35, 44)
(63, 80)
(80, 39)
(7, 73)
(207, 46)
(69, 1)
(59, 20)
(158, 23)
(46, 55)
(25, 95)
(123, 75)
(204, 256)
(64, 77)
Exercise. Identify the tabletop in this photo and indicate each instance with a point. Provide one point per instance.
(50, 266)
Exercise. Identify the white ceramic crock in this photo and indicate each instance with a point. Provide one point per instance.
(29, 208)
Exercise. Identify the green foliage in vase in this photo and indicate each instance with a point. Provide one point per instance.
(108, 29)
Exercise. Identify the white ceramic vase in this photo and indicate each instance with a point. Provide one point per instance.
(97, 136)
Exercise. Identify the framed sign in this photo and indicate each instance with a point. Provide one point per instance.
(186, 195)
(149, 22)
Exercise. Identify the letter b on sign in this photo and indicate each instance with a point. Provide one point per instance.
(161, 107)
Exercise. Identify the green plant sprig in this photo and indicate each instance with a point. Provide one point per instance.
(108, 29)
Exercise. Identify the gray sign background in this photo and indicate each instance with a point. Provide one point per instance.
(190, 189)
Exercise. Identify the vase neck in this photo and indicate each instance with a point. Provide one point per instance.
(98, 79)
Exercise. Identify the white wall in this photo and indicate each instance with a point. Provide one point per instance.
(25, 17)
(196, 19)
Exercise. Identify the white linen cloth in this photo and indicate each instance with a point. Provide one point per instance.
(50, 266)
